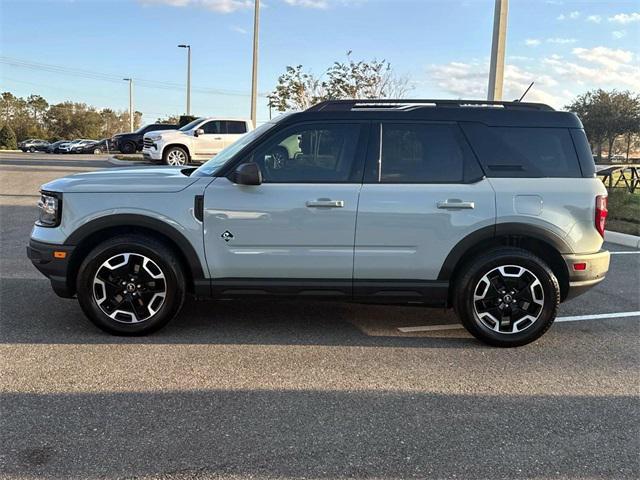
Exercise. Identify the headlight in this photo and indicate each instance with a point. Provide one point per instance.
(49, 206)
(155, 138)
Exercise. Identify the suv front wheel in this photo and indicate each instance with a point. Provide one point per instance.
(507, 297)
(131, 285)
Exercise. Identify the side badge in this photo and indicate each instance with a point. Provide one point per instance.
(227, 235)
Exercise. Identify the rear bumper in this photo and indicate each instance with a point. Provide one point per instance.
(596, 268)
(55, 269)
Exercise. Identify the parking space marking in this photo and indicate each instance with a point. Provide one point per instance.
(625, 253)
(575, 318)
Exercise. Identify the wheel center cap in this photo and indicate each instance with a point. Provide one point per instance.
(131, 287)
(508, 298)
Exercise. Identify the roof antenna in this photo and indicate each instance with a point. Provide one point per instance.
(525, 92)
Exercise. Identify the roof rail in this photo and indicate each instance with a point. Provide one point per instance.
(413, 103)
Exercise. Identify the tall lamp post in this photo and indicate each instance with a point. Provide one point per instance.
(188, 47)
(496, 68)
(130, 80)
(254, 72)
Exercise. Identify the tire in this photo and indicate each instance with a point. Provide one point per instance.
(175, 156)
(511, 285)
(150, 270)
(97, 151)
(128, 148)
(32, 150)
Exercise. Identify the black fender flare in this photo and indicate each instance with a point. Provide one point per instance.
(134, 220)
(499, 230)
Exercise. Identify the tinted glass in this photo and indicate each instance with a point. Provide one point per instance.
(212, 127)
(524, 151)
(309, 154)
(236, 127)
(422, 153)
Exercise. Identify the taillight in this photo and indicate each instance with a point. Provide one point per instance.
(601, 213)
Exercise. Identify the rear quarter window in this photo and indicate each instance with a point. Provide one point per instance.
(524, 151)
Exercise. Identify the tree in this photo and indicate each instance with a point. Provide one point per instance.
(606, 116)
(300, 89)
(8, 138)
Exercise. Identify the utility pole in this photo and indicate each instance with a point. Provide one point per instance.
(188, 47)
(254, 73)
(130, 80)
(496, 69)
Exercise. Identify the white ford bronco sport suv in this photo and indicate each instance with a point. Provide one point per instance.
(195, 142)
(491, 208)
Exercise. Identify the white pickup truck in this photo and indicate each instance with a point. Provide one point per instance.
(195, 142)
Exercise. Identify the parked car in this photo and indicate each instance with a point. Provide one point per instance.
(68, 147)
(34, 145)
(55, 146)
(93, 146)
(132, 142)
(618, 158)
(196, 141)
(493, 210)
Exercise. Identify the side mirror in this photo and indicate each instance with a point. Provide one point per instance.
(198, 132)
(248, 174)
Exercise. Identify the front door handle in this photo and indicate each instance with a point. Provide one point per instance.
(454, 203)
(325, 203)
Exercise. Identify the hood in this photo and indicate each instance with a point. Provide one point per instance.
(166, 134)
(124, 180)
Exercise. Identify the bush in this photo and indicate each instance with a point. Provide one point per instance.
(624, 212)
(8, 138)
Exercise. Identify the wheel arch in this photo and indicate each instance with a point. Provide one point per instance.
(176, 144)
(542, 243)
(85, 238)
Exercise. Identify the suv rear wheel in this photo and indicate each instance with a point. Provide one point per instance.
(131, 285)
(128, 147)
(507, 297)
(176, 156)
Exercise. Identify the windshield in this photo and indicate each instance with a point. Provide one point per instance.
(229, 152)
(189, 126)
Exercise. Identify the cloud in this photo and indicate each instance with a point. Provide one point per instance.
(220, 6)
(594, 18)
(561, 41)
(618, 34)
(532, 42)
(571, 15)
(625, 18)
(557, 78)
(238, 29)
(322, 4)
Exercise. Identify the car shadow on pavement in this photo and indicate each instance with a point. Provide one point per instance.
(51, 319)
(316, 434)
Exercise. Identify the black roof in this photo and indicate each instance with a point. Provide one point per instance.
(507, 114)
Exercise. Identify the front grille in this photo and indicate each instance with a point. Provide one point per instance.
(148, 143)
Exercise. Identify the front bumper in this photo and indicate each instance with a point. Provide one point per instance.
(595, 270)
(152, 152)
(55, 269)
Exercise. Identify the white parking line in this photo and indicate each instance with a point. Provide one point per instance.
(625, 253)
(576, 318)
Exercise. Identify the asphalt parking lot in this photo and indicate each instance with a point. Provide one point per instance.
(288, 390)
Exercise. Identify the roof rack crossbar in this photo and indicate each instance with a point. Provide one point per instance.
(387, 103)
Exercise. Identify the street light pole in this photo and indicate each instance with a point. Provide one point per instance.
(130, 80)
(188, 47)
(496, 69)
(254, 72)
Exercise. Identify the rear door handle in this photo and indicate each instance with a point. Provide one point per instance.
(217, 138)
(325, 203)
(454, 203)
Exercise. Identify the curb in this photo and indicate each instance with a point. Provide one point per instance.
(114, 161)
(622, 239)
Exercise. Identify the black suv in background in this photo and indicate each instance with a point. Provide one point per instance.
(132, 142)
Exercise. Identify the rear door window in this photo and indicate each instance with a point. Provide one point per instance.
(422, 153)
(235, 127)
(524, 151)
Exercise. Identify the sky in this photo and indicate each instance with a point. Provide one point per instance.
(80, 50)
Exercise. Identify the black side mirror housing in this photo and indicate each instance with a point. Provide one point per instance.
(247, 174)
(198, 132)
